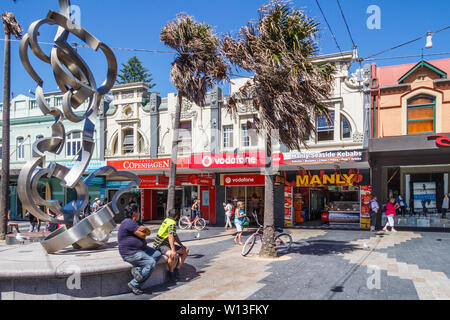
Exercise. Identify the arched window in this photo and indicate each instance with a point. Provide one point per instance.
(346, 129)
(422, 114)
(73, 143)
(128, 141)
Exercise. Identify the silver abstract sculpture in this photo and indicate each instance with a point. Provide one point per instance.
(75, 80)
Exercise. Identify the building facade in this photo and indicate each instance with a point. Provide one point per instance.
(28, 124)
(409, 139)
(221, 157)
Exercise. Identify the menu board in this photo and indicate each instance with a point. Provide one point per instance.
(366, 196)
(288, 214)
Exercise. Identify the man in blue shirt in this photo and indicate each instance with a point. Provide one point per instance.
(134, 250)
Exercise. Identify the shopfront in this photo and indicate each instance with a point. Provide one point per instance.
(327, 197)
(153, 190)
(416, 168)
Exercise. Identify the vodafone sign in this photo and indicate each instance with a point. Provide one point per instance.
(232, 160)
(243, 180)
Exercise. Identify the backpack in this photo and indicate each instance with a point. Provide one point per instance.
(232, 211)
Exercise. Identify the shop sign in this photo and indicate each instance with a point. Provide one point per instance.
(280, 180)
(327, 157)
(92, 166)
(343, 179)
(244, 180)
(141, 164)
(200, 181)
(232, 160)
(152, 182)
(441, 140)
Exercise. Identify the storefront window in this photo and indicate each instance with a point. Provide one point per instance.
(252, 197)
(421, 114)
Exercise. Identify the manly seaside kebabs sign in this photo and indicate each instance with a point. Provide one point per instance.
(348, 156)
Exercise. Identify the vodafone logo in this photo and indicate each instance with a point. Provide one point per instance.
(227, 180)
(207, 161)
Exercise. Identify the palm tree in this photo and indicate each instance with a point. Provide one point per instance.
(11, 26)
(198, 65)
(286, 89)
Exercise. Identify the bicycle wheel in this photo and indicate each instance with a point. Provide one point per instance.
(283, 242)
(200, 224)
(248, 245)
(184, 223)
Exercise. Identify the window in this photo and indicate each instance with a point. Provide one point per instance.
(128, 141)
(325, 127)
(185, 137)
(346, 129)
(33, 104)
(47, 101)
(228, 136)
(421, 114)
(73, 143)
(20, 148)
(58, 101)
(249, 136)
(39, 137)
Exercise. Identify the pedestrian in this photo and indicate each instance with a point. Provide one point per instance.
(402, 205)
(35, 224)
(165, 243)
(195, 209)
(11, 225)
(238, 221)
(445, 206)
(391, 207)
(374, 208)
(134, 250)
(52, 226)
(95, 206)
(87, 210)
(228, 207)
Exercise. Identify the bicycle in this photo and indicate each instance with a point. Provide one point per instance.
(283, 240)
(198, 223)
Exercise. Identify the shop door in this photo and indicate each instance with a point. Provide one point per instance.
(205, 202)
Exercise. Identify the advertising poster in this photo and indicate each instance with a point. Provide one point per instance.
(288, 216)
(424, 196)
(366, 196)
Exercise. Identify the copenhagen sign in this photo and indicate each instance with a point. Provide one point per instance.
(143, 164)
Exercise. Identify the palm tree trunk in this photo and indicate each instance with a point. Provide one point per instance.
(174, 156)
(4, 187)
(268, 243)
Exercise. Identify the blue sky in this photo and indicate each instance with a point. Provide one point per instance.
(137, 24)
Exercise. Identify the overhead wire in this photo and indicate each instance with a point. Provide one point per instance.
(329, 27)
(346, 24)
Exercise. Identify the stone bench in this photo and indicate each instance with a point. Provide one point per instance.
(28, 272)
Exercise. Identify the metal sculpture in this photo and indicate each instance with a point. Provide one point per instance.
(76, 81)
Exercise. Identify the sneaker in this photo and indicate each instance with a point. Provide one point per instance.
(137, 274)
(172, 277)
(135, 290)
(393, 230)
(176, 274)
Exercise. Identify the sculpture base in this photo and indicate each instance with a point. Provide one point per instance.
(28, 272)
(25, 237)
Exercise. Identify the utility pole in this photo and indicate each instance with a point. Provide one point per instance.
(11, 26)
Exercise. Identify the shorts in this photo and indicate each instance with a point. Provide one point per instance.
(165, 249)
(238, 227)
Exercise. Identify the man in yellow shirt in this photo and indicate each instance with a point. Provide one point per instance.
(165, 242)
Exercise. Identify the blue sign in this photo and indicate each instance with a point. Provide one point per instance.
(93, 165)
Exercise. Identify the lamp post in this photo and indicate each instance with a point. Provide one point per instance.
(10, 26)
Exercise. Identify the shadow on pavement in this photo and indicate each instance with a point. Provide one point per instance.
(321, 248)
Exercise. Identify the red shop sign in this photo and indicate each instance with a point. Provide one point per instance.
(201, 181)
(141, 164)
(233, 160)
(150, 182)
(244, 180)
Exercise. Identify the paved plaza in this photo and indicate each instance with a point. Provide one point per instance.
(322, 264)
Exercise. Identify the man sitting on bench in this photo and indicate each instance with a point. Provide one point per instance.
(165, 242)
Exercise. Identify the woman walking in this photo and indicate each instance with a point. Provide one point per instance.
(238, 221)
(195, 209)
(228, 207)
(391, 206)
